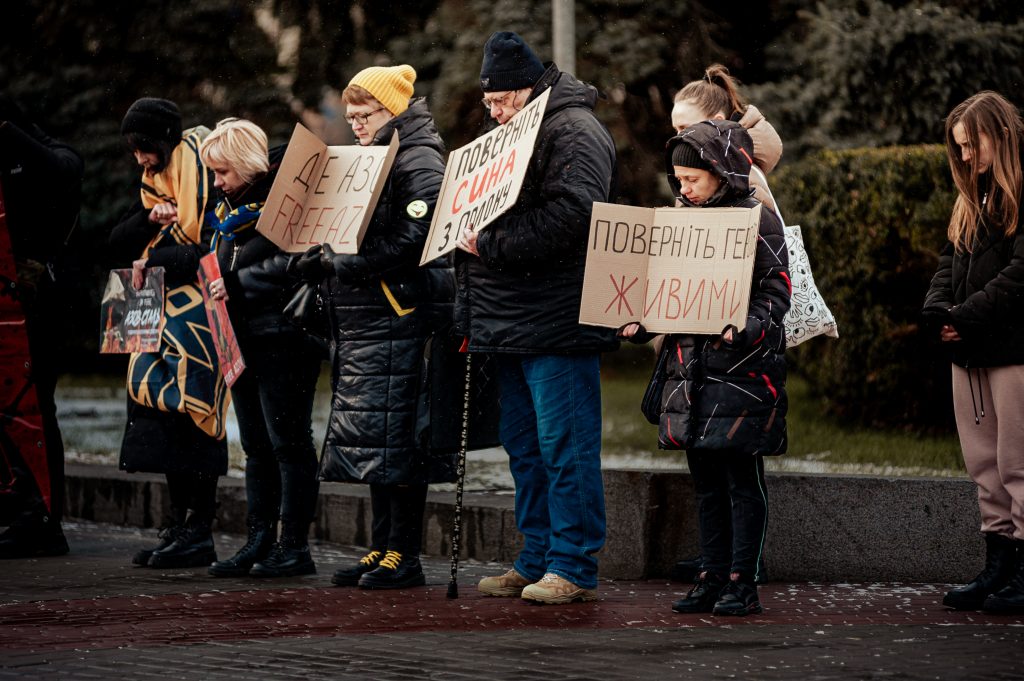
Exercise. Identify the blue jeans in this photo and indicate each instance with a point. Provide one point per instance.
(551, 429)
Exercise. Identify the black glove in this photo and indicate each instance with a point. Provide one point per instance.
(314, 265)
(934, 317)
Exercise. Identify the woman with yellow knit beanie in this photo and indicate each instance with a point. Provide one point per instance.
(384, 308)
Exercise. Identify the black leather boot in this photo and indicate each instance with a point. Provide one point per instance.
(172, 526)
(394, 572)
(289, 557)
(702, 596)
(349, 576)
(999, 567)
(738, 598)
(1010, 599)
(262, 535)
(193, 547)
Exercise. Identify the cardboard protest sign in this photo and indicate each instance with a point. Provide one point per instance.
(674, 270)
(229, 355)
(325, 195)
(482, 179)
(132, 319)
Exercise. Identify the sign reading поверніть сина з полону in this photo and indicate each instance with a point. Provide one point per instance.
(482, 179)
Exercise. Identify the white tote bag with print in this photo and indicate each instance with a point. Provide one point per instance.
(808, 314)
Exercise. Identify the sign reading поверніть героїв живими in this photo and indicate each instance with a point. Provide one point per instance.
(674, 270)
(482, 179)
(325, 195)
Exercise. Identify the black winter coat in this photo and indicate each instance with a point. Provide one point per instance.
(981, 293)
(731, 397)
(383, 309)
(41, 180)
(160, 441)
(522, 294)
(254, 303)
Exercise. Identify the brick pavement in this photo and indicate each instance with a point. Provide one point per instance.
(91, 615)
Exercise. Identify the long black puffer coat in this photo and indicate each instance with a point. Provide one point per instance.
(981, 293)
(383, 308)
(731, 397)
(522, 294)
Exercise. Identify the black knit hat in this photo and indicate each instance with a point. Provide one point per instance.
(156, 119)
(509, 64)
(686, 156)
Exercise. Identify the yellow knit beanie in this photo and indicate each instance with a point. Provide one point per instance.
(390, 85)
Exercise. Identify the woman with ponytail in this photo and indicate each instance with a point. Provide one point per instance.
(716, 97)
(975, 305)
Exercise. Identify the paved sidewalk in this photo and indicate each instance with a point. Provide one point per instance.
(91, 615)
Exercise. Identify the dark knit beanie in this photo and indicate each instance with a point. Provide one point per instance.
(686, 156)
(509, 64)
(155, 119)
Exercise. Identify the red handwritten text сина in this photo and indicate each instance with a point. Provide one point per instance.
(484, 181)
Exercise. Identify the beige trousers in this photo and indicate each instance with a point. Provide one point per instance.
(989, 407)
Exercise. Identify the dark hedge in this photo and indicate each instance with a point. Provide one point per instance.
(873, 222)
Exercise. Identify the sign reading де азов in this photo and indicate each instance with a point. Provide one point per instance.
(325, 195)
(482, 179)
(674, 270)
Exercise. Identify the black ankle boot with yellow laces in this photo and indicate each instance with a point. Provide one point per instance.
(349, 576)
(394, 572)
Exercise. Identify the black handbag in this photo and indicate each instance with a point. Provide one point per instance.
(308, 311)
(650, 405)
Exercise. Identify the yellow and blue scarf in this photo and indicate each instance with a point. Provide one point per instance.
(229, 221)
(184, 375)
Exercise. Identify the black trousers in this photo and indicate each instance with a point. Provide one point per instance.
(273, 401)
(732, 511)
(398, 517)
(193, 491)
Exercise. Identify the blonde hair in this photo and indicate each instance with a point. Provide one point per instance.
(716, 92)
(986, 113)
(240, 144)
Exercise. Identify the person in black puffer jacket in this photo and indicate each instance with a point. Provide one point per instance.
(975, 305)
(724, 396)
(384, 308)
(273, 396)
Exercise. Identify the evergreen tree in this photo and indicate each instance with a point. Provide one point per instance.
(875, 73)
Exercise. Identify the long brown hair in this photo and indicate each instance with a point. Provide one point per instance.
(990, 114)
(716, 92)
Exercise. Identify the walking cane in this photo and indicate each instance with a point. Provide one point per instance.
(453, 587)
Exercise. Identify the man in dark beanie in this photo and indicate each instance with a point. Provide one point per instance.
(520, 283)
(176, 399)
(152, 126)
